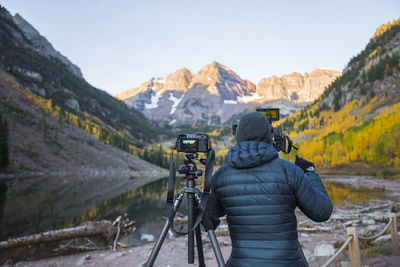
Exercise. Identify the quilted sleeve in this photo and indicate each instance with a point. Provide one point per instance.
(311, 196)
(213, 210)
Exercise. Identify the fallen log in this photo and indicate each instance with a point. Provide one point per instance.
(378, 207)
(315, 229)
(103, 228)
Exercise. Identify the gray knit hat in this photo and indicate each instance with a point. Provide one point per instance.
(253, 126)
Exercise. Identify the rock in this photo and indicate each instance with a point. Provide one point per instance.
(73, 103)
(384, 238)
(395, 207)
(83, 260)
(8, 263)
(147, 237)
(324, 250)
(296, 87)
(368, 222)
(35, 89)
(309, 255)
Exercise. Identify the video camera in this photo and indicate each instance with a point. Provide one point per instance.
(280, 141)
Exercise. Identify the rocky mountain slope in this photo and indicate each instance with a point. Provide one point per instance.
(42, 46)
(356, 121)
(56, 119)
(296, 87)
(215, 93)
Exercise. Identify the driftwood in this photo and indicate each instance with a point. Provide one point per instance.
(315, 229)
(379, 207)
(102, 228)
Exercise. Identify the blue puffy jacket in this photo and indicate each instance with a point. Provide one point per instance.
(258, 191)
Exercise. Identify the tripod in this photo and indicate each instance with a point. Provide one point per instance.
(194, 199)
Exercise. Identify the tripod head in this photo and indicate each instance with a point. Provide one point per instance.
(189, 167)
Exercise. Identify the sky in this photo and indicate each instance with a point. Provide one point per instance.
(120, 44)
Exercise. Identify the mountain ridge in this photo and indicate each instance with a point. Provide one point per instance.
(42, 46)
(215, 89)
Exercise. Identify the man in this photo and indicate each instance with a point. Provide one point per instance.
(258, 191)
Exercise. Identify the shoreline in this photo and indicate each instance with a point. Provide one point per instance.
(174, 250)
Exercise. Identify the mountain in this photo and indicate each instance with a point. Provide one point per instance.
(296, 87)
(42, 46)
(215, 93)
(355, 124)
(56, 119)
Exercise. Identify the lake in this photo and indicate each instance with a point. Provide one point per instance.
(30, 210)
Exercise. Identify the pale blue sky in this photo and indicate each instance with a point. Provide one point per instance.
(122, 43)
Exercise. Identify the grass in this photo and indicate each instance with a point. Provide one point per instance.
(390, 173)
(373, 252)
(133, 168)
(338, 244)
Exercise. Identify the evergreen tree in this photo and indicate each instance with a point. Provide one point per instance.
(159, 157)
(61, 115)
(4, 151)
(44, 126)
(146, 155)
(56, 136)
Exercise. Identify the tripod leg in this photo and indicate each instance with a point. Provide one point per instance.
(217, 250)
(190, 197)
(163, 234)
(199, 243)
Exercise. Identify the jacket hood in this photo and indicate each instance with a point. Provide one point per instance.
(249, 154)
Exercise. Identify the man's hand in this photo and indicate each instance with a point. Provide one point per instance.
(208, 224)
(305, 165)
(210, 221)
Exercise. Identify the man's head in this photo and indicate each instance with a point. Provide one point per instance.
(253, 126)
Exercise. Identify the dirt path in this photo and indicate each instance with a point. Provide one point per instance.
(174, 254)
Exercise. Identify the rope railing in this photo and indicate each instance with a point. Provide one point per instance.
(367, 238)
(341, 249)
(352, 242)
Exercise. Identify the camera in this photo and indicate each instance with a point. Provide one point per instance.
(280, 141)
(192, 143)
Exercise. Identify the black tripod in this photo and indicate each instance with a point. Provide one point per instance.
(194, 200)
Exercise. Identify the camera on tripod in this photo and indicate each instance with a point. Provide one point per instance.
(280, 141)
(191, 145)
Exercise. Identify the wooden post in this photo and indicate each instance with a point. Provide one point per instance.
(354, 251)
(395, 238)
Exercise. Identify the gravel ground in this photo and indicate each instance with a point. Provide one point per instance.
(173, 253)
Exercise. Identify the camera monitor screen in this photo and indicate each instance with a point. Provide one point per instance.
(189, 145)
(271, 113)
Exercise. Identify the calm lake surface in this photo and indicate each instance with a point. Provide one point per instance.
(30, 210)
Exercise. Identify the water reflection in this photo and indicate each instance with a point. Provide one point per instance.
(28, 210)
(3, 194)
(343, 195)
(146, 201)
